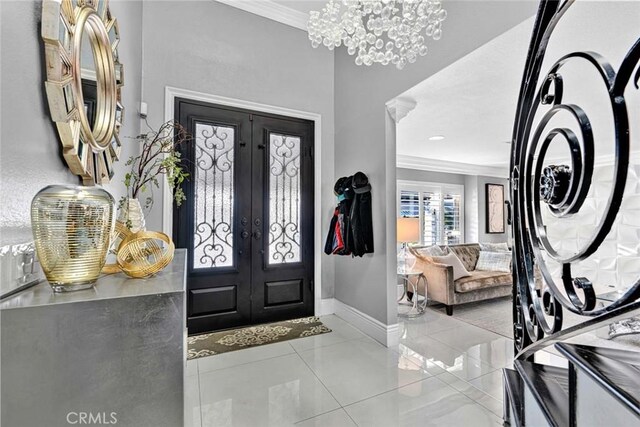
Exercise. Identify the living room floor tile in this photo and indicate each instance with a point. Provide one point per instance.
(341, 331)
(466, 336)
(192, 416)
(427, 324)
(337, 418)
(427, 402)
(490, 384)
(273, 392)
(432, 352)
(234, 358)
(356, 370)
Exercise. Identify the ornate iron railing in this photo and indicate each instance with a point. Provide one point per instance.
(539, 300)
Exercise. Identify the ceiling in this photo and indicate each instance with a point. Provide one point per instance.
(473, 101)
(305, 6)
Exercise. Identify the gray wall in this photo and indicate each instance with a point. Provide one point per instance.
(29, 147)
(216, 49)
(368, 283)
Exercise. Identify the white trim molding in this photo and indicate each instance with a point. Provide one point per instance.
(421, 163)
(171, 93)
(386, 335)
(327, 306)
(271, 10)
(399, 108)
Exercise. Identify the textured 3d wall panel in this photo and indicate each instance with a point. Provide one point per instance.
(615, 264)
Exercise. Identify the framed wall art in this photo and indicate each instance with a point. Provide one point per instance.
(495, 208)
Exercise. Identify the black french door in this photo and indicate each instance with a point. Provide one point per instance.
(247, 222)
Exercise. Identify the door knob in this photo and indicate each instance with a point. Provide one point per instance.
(257, 235)
(244, 234)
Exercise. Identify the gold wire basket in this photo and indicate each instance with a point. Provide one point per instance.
(140, 254)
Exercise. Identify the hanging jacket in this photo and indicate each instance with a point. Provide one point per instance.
(338, 237)
(360, 216)
(351, 228)
(346, 196)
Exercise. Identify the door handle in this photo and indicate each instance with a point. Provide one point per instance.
(257, 235)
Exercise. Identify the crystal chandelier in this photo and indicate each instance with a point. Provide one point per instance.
(383, 31)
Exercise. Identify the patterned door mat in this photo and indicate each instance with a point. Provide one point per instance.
(237, 339)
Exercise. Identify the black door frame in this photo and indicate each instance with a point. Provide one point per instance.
(175, 96)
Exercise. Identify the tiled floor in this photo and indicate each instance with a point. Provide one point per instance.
(444, 372)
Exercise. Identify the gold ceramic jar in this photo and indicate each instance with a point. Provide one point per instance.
(72, 226)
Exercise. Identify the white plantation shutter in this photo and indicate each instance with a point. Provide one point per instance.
(439, 207)
(409, 204)
(452, 218)
(431, 218)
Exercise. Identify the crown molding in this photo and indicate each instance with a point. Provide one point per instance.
(271, 10)
(400, 107)
(421, 163)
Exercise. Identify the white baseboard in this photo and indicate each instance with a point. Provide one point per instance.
(326, 306)
(386, 335)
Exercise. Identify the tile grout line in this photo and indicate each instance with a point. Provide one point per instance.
(485, 394)
(325, 387)
(245, 363)
(199, 396)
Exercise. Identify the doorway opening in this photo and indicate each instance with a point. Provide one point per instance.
(248, 222)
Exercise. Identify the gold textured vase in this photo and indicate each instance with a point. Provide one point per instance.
(72, 226)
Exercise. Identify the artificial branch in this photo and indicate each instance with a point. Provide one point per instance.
(159, 155)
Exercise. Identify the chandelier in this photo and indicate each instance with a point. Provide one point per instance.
(383, 31)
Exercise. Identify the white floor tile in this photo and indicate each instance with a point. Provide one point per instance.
(192, 416)
(466, 336)
(430, 402)
(494, 405)
(473, 393)
(192, 367)
(274, 392)
(433, 352)
(427, 324)
(235, 358)
(341, 331)
(338, 418)
(490, 384)
(356, 370)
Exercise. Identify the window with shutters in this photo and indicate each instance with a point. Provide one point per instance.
(440, 208)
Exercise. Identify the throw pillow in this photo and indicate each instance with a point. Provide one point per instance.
(453, 261)
(495, 247)
(494, 261)
(431, 251)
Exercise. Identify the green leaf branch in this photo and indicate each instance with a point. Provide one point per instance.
(159, 155)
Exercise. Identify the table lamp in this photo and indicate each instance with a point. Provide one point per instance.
(408, 231)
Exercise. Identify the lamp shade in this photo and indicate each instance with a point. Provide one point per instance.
(408, 230)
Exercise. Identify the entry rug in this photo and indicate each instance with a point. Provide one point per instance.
(237, 339)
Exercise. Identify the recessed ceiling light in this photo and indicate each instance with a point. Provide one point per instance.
(436, 138)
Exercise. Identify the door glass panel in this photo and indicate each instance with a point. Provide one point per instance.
(284, 199)
(213, 216)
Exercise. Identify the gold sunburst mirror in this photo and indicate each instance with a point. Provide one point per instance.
(84, 83)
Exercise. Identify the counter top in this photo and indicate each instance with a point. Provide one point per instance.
(169, 280)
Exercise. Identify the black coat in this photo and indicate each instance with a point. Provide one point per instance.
(351, 229)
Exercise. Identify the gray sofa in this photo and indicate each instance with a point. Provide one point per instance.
(441, 287)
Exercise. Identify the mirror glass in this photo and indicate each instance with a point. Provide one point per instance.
(89, 79)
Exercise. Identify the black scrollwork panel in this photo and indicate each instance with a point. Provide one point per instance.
(213, 201)
(284, 199)
(540, 189)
